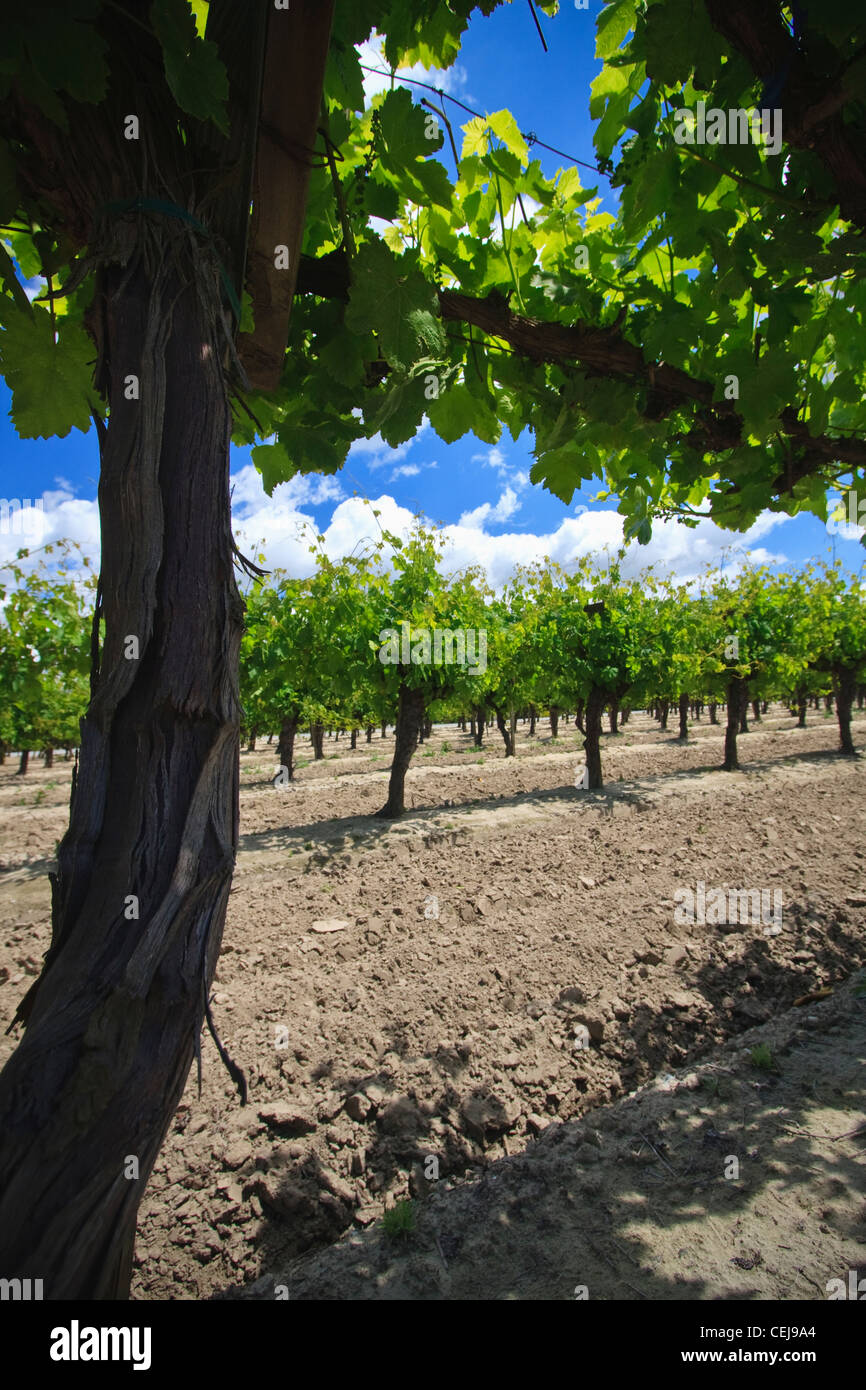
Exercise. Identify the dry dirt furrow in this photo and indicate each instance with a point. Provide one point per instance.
(474, 946)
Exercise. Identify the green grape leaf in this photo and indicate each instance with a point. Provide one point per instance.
(404, 127)
(193, 69)
(10, 280)
(344, 80)
(612, 25)
(344, 358)
(456, 411)
(381, 199)
(678, 39)
(50, 383)
(503, 125)
(393, 299)
(475, 137)
(299, 449)
(562, 470)
(69, 56)
(401, 412)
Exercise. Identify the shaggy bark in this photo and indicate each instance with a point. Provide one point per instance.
(144, 870)
(112, 1022)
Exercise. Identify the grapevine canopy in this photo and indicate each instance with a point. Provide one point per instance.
(700, 351)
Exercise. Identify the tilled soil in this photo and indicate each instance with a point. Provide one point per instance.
(723, 1182)
(413, 1001)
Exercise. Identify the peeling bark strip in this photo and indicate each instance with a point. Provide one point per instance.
(112, 1022)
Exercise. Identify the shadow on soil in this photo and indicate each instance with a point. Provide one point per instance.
(545, 1201)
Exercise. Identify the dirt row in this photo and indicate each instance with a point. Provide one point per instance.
(414, 1001)
(740, 1178)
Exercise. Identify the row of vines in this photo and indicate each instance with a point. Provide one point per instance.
(384, 636)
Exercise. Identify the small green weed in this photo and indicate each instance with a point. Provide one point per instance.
(762, 1058)
(398, 1223)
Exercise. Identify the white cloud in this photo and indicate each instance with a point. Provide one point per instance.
(35, 286)
(376, 453)
(507, 505)
(61, 516)
(354, 527)
(283, 525)
(494, 458)
(452, 80)
(674, 550)
(411, 470)
(278, 524)
(679, 551)
(516, 478)
(249, 496)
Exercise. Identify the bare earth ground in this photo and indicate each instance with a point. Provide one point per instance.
(437, 1022)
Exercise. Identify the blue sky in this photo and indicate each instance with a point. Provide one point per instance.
(493, 515)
